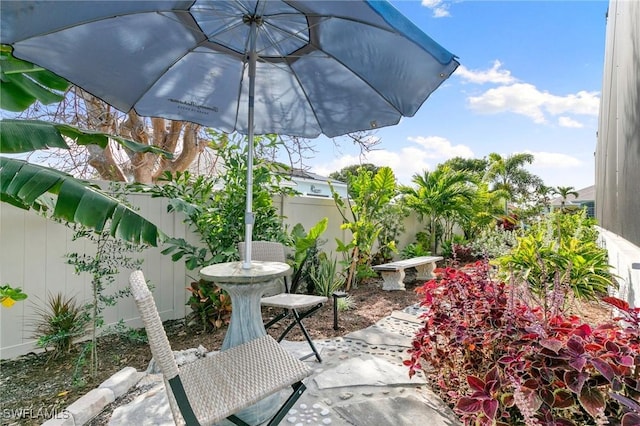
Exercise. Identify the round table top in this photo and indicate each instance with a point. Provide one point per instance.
(233, 272)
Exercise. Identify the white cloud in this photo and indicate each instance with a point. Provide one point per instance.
(561, 169)
(492, 75)
(554, 160)
(437, 147)
(565, 121)
(527, 100)
(439, 7)
(583, 102)
(407, 161)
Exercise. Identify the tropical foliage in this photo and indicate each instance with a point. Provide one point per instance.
(24, 83)
(306, 254)
(346, 173)
(369, 194)
(326, 276)
(509, 175)
(31, 186)
(501, 361)
(564, 192)
(442, 198)
(214, 207)
(392, 219)
(59, 323)
(111, 256)
(560, 249)
(492, 243)
(10, 295)
(210, 305)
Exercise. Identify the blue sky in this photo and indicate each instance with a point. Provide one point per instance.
(529, 81)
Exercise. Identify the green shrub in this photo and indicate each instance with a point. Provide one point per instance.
(362, 214)
(306, 251)
(392, 218)
(131, 335)
(326, 277)
(492, 243)
(61, 321)
(211, 305)
(214, 207)
(561, 249)
(415, 250)
(346, 303)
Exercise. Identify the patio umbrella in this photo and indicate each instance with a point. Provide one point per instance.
(300, 68)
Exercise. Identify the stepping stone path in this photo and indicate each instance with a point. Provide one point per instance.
(361, 382)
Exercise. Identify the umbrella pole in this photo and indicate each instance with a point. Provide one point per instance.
(249, 217)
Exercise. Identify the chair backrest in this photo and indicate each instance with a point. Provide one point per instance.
(158, 341)
(267, 251)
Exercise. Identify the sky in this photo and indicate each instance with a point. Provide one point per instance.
(529, 81)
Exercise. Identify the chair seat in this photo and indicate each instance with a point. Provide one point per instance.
(298, 306)
(223, 383)
(292, 301)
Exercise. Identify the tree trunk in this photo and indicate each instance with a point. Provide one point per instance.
(100, 118)
(433, 238)
(102, 160)
(191, 148)
(352, 268)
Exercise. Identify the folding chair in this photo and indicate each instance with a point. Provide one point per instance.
(297, 306)
(218, 386)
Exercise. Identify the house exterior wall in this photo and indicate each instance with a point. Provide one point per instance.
(318, 188)
(618, 148)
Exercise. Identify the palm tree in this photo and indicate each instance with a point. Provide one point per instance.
(544, 194)
(508, 174)
(564, 192)
(439, 194)
(486, 207)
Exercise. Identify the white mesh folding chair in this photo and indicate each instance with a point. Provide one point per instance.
(218, 386)
(293, 305)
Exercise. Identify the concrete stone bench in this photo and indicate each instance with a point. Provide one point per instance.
(393, 272)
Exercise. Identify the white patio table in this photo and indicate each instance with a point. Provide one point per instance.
(246, 287)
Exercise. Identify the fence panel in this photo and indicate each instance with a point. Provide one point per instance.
(33, 249)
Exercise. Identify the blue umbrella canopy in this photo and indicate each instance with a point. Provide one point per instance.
(300, 68)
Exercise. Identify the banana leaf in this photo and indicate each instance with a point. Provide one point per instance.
(19, 136)
(30, 186)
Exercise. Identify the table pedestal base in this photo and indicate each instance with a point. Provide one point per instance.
(246, 287)
(245, 325)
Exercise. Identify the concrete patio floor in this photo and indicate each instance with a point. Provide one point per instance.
(361, 382)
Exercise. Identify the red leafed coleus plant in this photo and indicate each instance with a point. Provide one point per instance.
(500, 361)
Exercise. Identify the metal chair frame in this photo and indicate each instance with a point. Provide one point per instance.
(293, 305)
(221, 384)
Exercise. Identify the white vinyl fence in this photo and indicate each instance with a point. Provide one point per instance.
(624, 258)
(33, 249)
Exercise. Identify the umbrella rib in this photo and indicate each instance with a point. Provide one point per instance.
(196, 30)
(313, 42)
(286, 58)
